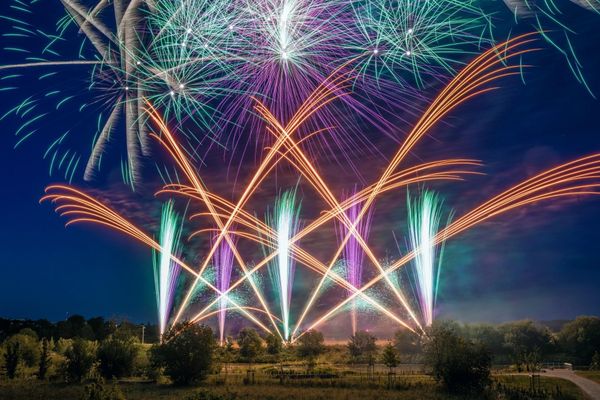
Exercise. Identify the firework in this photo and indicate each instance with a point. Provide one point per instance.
(284, 221)
(280, 236)
(424, 217)
(354, 254)
(165, 270)
(413, 42)
(223, 260)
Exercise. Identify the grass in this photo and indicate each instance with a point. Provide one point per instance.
(409, 388)
(552, 385)
(592, 375)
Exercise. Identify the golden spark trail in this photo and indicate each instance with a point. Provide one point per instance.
(84, 208)
(468, 83)
(530, 191)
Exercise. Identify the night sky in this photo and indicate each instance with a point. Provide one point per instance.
(541, 262)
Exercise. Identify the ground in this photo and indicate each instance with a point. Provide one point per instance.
(410, 388)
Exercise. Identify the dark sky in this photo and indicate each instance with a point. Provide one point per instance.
(540, 263)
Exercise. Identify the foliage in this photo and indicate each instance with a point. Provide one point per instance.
(80, 359)
(461, 366)
(44, 360)
(310, 346)
(97, 391)
(527, 342)
(389, 356)
(29, 348)
(186, 353)
(581, 339)
(407, 343)
(250, 344)
(274, 344)
(61, 346)
(29, 332)
(12, 358)
(362, 347)
(116, 356)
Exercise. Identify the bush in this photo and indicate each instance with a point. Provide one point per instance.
(29, 348)
(250, 344)
(461, 366)
(186, 355)
(116, 357)
(97, 391)
(12, 358)
(80, 359)
(310, 346)
(44, 360)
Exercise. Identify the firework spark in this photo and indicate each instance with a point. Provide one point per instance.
(424, 217)
(165, 270)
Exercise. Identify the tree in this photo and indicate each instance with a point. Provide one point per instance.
(362, 347)
(186, 353)
(250, 344)
(274, 344)
(310, 346)
(460, 366)
(29, 332)
(81, 357)
(100, 327)
(580, 339)
(117, 356)
(407, 343)
(527, 342)
(29, 347)
(389, 357)
(12, 358)
(44, 360)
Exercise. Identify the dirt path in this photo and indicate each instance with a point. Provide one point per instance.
(591, 388)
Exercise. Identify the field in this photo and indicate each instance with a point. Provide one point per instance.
(415, 387)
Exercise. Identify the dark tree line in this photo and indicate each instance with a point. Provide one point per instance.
(521, 343)
(76, 326)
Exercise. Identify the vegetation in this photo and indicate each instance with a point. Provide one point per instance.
(362, 347)
(411, 388)
(389, 357)
(457, 360)
(310, 346)
(186, 355)
(44, 360)
(80, 359)
(580, 339)
(250, 345)
(461, 366)
(116, 356)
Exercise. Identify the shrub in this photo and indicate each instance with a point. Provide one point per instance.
(29, 348)
(461, 366)
(250, 344)
(12, 358)
(274, 344)
(44, 360)
(80, 359)
(116, 357)
(186, 355)
(310, 346)
(98, 391)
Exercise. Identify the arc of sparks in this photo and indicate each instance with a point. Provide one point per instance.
(579, 177)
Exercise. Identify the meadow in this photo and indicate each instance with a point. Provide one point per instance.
(406, 387)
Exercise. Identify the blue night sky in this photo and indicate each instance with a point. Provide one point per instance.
(541, 262)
